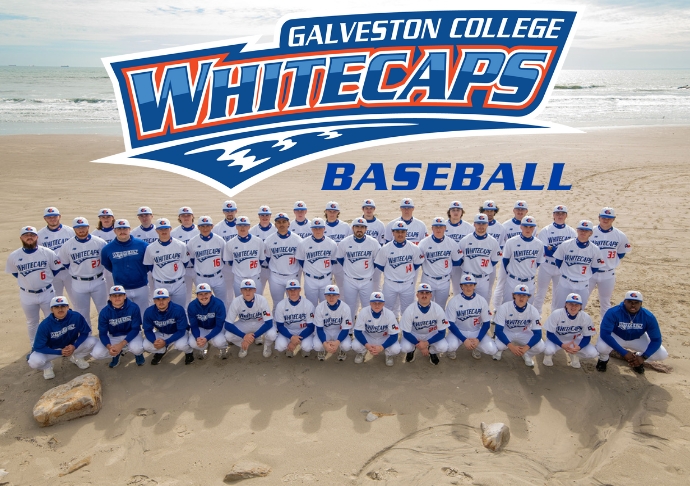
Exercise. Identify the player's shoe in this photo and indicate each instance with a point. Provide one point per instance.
(157, 357)
(242, 353)
(259, 341)
(115, 361)
(305, 354)
(601, 365)
(359, 359)
(548, 360)
(140, 360)
(189, 358)
(451, 354)
(433, 358)
(575, 362)
(223, 353)
(289, 353)
(390, 361)
(409, 358)
(639, 369)
(476, 354)
(321, 356)
(268, 350)
(528, 361)
(342, 355)
(497, 356)
(81, 364)
(201, 355)
(48, 373)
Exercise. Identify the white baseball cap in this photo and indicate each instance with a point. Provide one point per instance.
(521, 290)
(332, 290)
(281, 216)
(368, 203)
(229, 206)
(161, 294)
(490, 205)
(585, 225)
(360, 222)
(163, 223)
(406, 203)
(80, 222)
(106, 212)
(51, 211)
(607, 213)
(399, 226)
(264, 211)
(28, 229)
(203, 287)
(243, 221)
(633, 295)
(144, 210)
(185, 210)
(248, 283)
(560, 209)
(122, 223)
(424, 287)
(455, 205)
(438, 222)
(332, 205)
(574, 298)
(58, 300)
(117, 289)
(300, 205)
(205, 221)
(520, 204)
(528, 221)
(467, 278)
(481, 218)
(377, 297)
(317, 223)
(292, 284)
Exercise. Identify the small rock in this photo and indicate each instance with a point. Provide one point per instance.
(144, 412)
(3, 473)
(77, 465)
(495, 436)
(371, 417)
(246, 470)
(77, 398)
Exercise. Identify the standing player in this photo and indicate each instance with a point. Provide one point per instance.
(377, 230)
(81, 256)
(376, 331)
(227, 230)
(511, 228)
(522, 255)
(571, 329)
(168, 258)
(185, 232)
(356, 254)
(300, 225)
(518, 328)
(245, 254)
(441, 254)
(577, 260)
(399, 261)
(206, 255)
(146, 232)
(34, 267)
(337, 231)
(295, 322)
(457, 229)
(207, 322)
(104, 230)
(165, 323)
(281, 249)
(316, 256)
(496, 230)
(53, 236)
(469, 320)
(551, 236)
(423, 326)
(614, 245)
(480, 254)
(416, 229)
(333, 321)
(249, 318)
(263, 230)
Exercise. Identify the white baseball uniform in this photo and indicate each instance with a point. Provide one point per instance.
(457, 232)
(206, 254)
(376, 330)
(377, 230)
(332, 324)
(480, 254)
(356, 257)
(518, 326)
(250, 317)
(552, 235)
(301, 229)
(399, 263)
(227, 230)
(524, 255)
(440, 256)
(295, 319)
(612, 243)
(424, 324)
(567, 329)
(496, 230)
(511, 228)
(281, 253)
(337, 231)
(245, 256)
(148, 235)
(469, 317)
(416, 230)
(54, 239)
(169, 260)
(576, 269)
(263, 232)
(316, 258)
(184, 235)
(106, 235)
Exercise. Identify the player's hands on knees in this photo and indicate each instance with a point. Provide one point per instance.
(331, 346)
(201, 342)
(423, 346)
(68, 350)
(113, 351)
(630, 358)
(636, 361)
(294, 341)
(515, 349)
(471, 343)
(159, 343)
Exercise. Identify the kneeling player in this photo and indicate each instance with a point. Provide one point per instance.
(333, 321)
(295, 321)
(119, 329)
(424, 327)
(206, 320)
(469, 320)
(376, 331)
(518, 327)
(165, 323)
(572, 329)
(248, 319)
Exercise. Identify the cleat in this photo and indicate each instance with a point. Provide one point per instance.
(242, 353)
(140, 360)
(268, 350)
(201, 355)
(548, 360)
(158, 357)
(451, 354)
(601, 365)
(259, 341)
(389, 361)
(81, 364)
(115, 361)
(48, 373)
(359, 359)
(639, 369)
(289, 353)
(342, 355)
(223, 353)
(575, 362)
(188, 358)
(497, 356)
(305, 354)
(528, 361)
(433, 358)
(476, 354)
(28, 355)
(409, 358)
(321, 356)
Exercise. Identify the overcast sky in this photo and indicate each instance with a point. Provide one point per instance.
(612, 34)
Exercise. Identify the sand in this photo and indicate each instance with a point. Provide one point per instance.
(176, 424)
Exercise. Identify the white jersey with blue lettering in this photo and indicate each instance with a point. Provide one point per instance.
(416, 230)
(168, 260)
(333, 320)
(149, 234)
(337, 230)
(468, 313)
(207, 254)
(578, 262)
(458, 231)
(295, 317)
(567, 329)
(317, 255)
(424, 325)
(439, 255)
(54, 239)
(480, 255)
(524, 256)
(184, 234)
(399, 262)
(377, 230)
(302, 229)
(106, 236)
(282, 251)
(358, 256)
(497, 230)
(262, 232)
(553, 235)
(514, 321)
(249, 319)
(34, 270)
(83, 257)
(611, 243)
(245, 255)
(382, 327)
(511, 228)
(225, 229)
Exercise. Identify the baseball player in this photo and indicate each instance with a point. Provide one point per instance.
(263, 230)
(168, 259)
(356, 254)
(337, 231)
(146, 232)
(333, 322)
(614, 245)
(551, 236)
(104, 230)
(124, 258)
(522, 255)
(495, 229)
(119, 329)
(571, 329)
(577, 260)
(629, 326)
(376, 331)
(63, 333)
(81, 256)
(53, 236)
(456, 229)
(480, 254)
(441, 255)
(245, 253)
(34, 267)
(248, 319)
(206, 255)
(518, 327)
(511, 228)
(207, 322)
(469, 320)
(185, 232)
(416, 229)
(316, 256)
(295, 322)
(227, 230)
(281, 250)
(300, 225)
(377, 230)
(399, 261)
(424, 327)
(165, 323)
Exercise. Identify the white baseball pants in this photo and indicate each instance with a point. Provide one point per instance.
(338, 275)
(567, 286)
(314, 288)
(546, 274)
(135, 346)
(521, 338)
(32, 305)
(378, 275)
(640, 345)
(62, 282)
(587, 352)
(486, 345)
(440, 289)
(108, 279)
(229, 286)
(509, 287)
(84, 292)
(307, 343)
(264, 278)
(353, 290)
(237, 282)
(392, 350)
(40, 361)
(218, 340)
(397, 292)
(436, 348)
(177, 291)
(500, 276)
(189, 278)
(345, 344)
(605, 282)
(269, 336)
(140, 297)
(181, 344)
(277, 283)
(217, 284)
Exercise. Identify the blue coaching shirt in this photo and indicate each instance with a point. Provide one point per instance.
(54, 334)
(126, 262)
(209, 316)
(620, 322)
(125, 321)
(172, 321)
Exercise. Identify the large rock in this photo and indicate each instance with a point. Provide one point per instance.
(246, 470)
(495, 436)
(79, 397)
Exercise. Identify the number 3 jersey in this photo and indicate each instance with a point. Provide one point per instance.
(168, 259)
(281, 250)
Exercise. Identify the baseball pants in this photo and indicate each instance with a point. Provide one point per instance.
(181, 344)
(307, 343)
(392, 350)
(486, 345)
(436, 348)
(314, 288)
(218, 340)
(354, 289)
(339, 275)
(500, 285)
(151, 285)
(277, 283)
(587, 352)
(378, 275)
(521, 338)
(567, 286)
(440, 289)
(237, 282)
(135, 346)
(492, 280)
(32, 305)
(455, 276)
(108, 279)
(605, 282)
(189, 278)
(398, 292)
(345, 344)
(177, 291)
(40, 361)
(546, 274)
(217, 283)
(84, 292)
(640, 345)
(229, 284)
(140, 297)
(62, 282)
(269, 336)
(509, 287)
(265, 271)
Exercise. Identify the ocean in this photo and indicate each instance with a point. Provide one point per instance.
(43, 100)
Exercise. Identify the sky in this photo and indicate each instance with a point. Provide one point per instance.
(612, 34)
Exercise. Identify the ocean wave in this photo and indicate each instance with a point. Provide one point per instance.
(57, 101)
(577, 86)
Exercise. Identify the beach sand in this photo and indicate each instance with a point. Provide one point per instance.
(187, 425)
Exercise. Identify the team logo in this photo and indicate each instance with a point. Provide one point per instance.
(407, 202)
(489, 205)
(204, 220)
(60, 300)
(248, 282)
(559, 209)
(523, 289)
(333, 206)
(529, 221)
(369, 202)
(607, 211)
(633, 294)
(400, 226)
(30, 229)
(300, 205)
(51, 210)
(164, 222)
(378, 296)
(243, 220)
(359, 222)
(424, 288)
(439, 220)
(186, 210)
(456, 204)
(468, 279)
(80, 221)
(265, 209)
(585, 224)
(331, 84)
(121, 223)
(481, 217)
(229, 206)
(142, 210)
(160, 292)
(331, 289)
(118, 289)
(520, 204)
(293, 284)
(105, 212)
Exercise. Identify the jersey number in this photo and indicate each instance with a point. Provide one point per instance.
(95, 263)
(445, 264)
(408, 268)
(43, 275)
(484, 263)
(253, 263)
(291, 261)
(216, 262)
(612, 254)
(366, 264)
(476, 321)
(175, 267)
(326, 263)
(584, 269)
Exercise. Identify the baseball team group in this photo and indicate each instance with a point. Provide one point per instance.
(373, 288)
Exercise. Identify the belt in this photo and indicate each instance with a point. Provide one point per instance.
(283, 274)
(481, 275)
(397, 281)
(89, 278)
(208, 276)
(169, 281)
(521, 279)
(573, 281)
(318, 278)
(435, 278)
(606, 271)
(553, 263)
(37, 291)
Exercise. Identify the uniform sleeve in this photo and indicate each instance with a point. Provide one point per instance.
(193, 322)
(560, 252)
(103, 327)
(84, 330)
(105, 258)
(380, 259)
(388, 233)
(406, 319)
(540, 256)
(10, 266)
(227, 252)
(41, 341)
(148, 257)
(262, 250)
(359, 322)
(623, 245)
(654, 333)
(55, 263)
(63, 255)
(418, 256)
(220, 321)
(148, 327)
(318, 316)
(136, 323)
